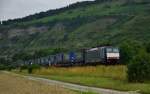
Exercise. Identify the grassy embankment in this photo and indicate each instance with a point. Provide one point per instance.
(112, 77)
(12, 84)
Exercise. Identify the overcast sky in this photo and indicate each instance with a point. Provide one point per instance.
(10, 9)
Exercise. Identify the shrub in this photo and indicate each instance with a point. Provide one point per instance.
(139, 68)
(2, 67)
(32, 67)
(23, 67)
(9, 68)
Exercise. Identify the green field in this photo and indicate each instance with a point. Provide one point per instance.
(111, 77)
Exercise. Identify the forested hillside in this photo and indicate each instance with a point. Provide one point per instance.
(78, 26)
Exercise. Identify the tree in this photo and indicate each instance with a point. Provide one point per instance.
(129, 49)
(139, 67)
(126, 51)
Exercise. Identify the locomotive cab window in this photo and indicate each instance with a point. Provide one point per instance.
(109, 50)
(112, 50)
(115, 50)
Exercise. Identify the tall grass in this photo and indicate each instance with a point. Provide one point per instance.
(115, 72)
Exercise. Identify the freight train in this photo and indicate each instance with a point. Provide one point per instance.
(92, 56)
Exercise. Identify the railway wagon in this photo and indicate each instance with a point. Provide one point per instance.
(78, 58)
(44, 61)
(67, 59)
(51, 59)
(57, 59)
(75, 57)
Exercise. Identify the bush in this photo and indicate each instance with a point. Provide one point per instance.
(9, 68)
(31, 67)
(2, 67)
(139, 68)
(23, 67)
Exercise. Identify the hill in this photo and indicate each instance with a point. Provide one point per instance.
(81, 25)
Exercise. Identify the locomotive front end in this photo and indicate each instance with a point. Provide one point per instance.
(112, 55)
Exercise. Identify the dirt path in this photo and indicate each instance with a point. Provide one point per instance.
(75, 86)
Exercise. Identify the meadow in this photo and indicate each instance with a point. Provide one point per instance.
(12, 84)
(111, 77)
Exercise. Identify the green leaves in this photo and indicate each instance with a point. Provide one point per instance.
(139, 67)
